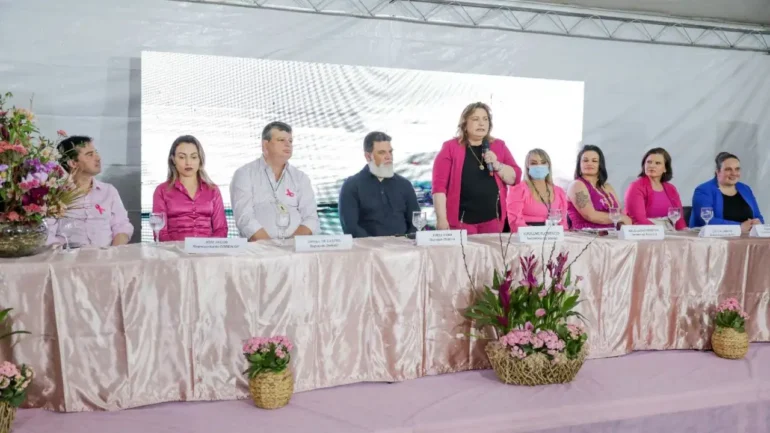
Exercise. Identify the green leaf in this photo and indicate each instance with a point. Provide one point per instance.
(4, 336)
(4, 314)
(568, 278)
(18, 399)
(496, 279)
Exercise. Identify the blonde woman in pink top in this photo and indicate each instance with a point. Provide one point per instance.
(192, 203)
(531, 201)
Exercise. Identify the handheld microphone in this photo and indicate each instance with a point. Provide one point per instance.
(484, 150)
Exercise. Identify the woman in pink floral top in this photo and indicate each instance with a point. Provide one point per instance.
(192, 203)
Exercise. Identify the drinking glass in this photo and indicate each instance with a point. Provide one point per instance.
(554, 217)
(157, 222)
(419, 220)
(615, 217)
(282, 221)
(66, 229)
(707, 214)
(674, 213)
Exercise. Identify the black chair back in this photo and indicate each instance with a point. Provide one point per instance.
(687, 210)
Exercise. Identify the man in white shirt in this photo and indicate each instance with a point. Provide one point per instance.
(269, 187)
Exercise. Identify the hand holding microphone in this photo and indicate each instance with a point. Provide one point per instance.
(489, 157)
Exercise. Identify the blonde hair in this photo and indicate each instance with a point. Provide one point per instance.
(173, 174)
(462, 134)
(544, 156)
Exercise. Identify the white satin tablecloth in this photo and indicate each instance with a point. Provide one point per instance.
(143, 324)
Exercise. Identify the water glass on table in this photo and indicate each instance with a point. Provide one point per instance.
(554, 217)
(282, 221)
(674, 214)
(157, 222)
(615, 217)
(66, 229)
(707, 214)
(419, 220)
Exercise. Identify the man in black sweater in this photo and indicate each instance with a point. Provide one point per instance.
(376, 201)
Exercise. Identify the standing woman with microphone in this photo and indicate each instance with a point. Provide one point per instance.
(471, 175)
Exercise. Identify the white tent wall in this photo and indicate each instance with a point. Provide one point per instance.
(81, 60)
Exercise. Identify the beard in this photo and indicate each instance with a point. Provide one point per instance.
(384, 171)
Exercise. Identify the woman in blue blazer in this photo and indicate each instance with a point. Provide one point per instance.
(732, 201)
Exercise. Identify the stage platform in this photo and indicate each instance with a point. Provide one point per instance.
(644, 392)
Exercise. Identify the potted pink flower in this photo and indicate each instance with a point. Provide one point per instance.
(533, 343)
(14, 381)
(271, 383)
(730, 339)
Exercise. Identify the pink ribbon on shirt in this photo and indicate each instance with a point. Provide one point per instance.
(100, 209)
(289, 193)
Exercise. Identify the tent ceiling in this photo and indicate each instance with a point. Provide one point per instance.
(744, 11)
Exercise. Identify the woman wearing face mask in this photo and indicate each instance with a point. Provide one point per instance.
(590, 196)
(649, 198)
(467, 194)
(192, 203)
(731, 201)
(531, 201)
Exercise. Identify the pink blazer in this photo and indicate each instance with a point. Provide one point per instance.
(448, 172)
(638, 202)
(524, 208)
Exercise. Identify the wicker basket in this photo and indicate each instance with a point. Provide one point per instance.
(533, 370)
(271, 390)
(729, 343)
(7, 415)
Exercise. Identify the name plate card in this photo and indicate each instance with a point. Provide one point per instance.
(642, 233)
(760, 231)
(540, 234)
(720, 231)
(214, 245)
(441, 237)
(303, 244)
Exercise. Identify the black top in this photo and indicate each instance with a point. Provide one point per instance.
(735, 208)
(478, 190)
(370, 207)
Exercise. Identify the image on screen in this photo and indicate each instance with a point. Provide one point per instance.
(226, 101)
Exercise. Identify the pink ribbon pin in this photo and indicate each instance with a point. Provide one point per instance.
(100, 209)
(289, 193)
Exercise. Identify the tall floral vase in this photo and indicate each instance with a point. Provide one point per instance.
(22, 239)
(729, 343)
(7, 415)
(533, 370)
(270, 390)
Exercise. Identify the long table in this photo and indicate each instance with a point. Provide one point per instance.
(143, 324)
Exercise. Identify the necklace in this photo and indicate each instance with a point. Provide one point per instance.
(548, 203)
(481, 164)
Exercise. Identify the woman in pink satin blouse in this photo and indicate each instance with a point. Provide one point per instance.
(192, 203)
(532, 201)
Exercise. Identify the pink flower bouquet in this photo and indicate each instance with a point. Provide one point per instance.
(731, 315)
(33, 186)
(531, 316)
(14, 382)
(267, 354)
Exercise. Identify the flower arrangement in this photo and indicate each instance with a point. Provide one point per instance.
(730, 339)
(33, 186)
(271, 384)
(731, 315)
(531, 317)
(267, 354)
(14, 382)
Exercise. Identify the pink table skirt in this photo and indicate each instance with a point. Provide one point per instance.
(139, 324)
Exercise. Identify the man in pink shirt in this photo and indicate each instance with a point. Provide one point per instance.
(98, 218)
